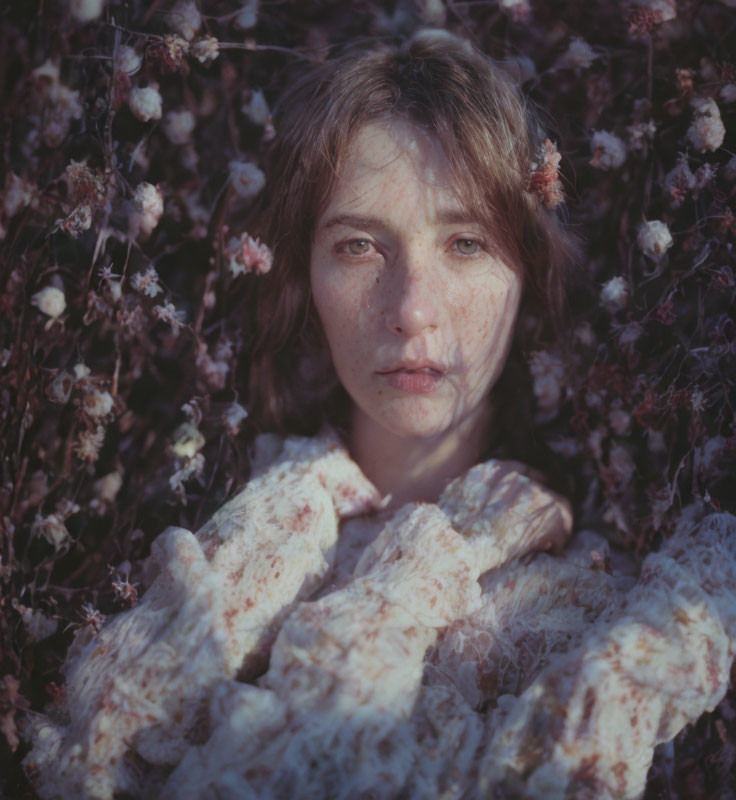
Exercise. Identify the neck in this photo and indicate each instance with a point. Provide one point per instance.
(415, 468)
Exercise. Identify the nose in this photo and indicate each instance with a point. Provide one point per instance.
(412, 302)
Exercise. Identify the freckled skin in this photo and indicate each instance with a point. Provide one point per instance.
(404, 279)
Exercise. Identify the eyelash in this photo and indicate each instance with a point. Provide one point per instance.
(344, 247)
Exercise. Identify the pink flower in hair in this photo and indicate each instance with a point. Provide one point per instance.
(545, 178)
(249, 255)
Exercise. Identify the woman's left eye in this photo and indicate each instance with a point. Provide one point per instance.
(467, 247)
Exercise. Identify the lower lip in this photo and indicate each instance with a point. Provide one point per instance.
(413, 382)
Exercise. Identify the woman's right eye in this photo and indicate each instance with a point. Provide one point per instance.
(358, 247)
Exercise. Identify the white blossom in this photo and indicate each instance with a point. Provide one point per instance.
(60, 104)
(518, 10)
(233, 416)
(150, 206)
(247, 17)
(206, 50)
(246, 178)
(97, 404)
(192, 466)
(621, 463)
(90, 443)
(629, 334)
(729, 171)
(147, 282)
(178, 126)
(656, 442)
(145, 103)
(707, 456)
(169, 314)
(548, 373)
(187, 440)
(50, 301)
(654, 238)
(86, 10)
(129, 60)
(620, 421)
(18, 194)
(185, 18)
(247, 254)
(615, 293)
(679, 181)
(728, 93)
(707, 130)
(81, 371)
(52, 529)
(37, 625)
(256, 109)
(578, 54)
(585, 334)
(667, 9)
(609, 152)
(106, 488)
(640, 133)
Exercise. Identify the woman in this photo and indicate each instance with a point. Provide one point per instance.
(366, 618)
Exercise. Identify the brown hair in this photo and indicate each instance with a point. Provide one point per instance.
(490, 135)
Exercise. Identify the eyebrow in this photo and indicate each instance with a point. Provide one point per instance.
(446, 216)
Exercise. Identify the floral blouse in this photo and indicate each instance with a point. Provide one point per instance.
(308, 643)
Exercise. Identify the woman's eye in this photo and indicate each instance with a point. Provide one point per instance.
(468, 247)
(358, 247)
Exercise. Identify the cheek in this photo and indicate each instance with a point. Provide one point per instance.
(489, 323)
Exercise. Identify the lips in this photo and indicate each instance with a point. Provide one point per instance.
(419, 379)
(424, 367)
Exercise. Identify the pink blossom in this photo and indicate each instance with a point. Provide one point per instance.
(247, 254)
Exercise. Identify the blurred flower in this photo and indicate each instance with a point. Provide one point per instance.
(124, 590)
(18, 194)
(679, 181)
(97, 404)
(191, 467)
(105, 490)
(640, 134)
(206, 50)
(247, 17)
(621, 464)
(50, 301)
(609, 152)
(85, 186)
(52, 529)
(615, 294)
(90, 443)
(79, 221)
(620, 421)
(60, 105)
(545, 179)
(707, 130)
(578, 54)
(248, 255)
(256, 109)
(233, 416)
(178, 126)
(705, 175)
(169, 314)
(91, 617)
(129, 61)
(654, 238)
(150, 206)
(518, 10)
(629, 333)
(60, 388)
(565, 446)
(171, 51)
(145, 103)
(187, 440)
(246, 179)
(86, 10)
(185, 18)
(665, 9)
(548, 373)
(147, 282)
(213, 370)
(521, 68)
(585, 334)
(37, 625)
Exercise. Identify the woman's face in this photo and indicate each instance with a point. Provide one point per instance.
(417, 312)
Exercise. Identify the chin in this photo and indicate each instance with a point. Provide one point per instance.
(414, 421)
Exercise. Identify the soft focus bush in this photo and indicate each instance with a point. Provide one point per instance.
(132, 136)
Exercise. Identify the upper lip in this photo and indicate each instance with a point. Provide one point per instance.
(414, 365)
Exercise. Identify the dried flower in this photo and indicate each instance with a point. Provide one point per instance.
(90, 443)
(50, 301)
(707, 130)
(640, 134)
(545, 179)
(247, 17)
(256, 109)
(679, 181)
(609, 152)
(145, 103)
(246, 179)
(178, 126)
(97, 404)
(248, 255)
(213, 370)
(79, 221)
(548, 372)
(193, 466)
(86, 10)
(206, 50)
(169, 314)
(185, 18)
(578, 54)
(149, 203)
(233, 416)
(18, 194)
(128, 60)
(60, 388)
(52, 529)
(654, 238)
(187, 440)
(147, 282)
(37, 625)
(615, 294)
(91, 617)
(106, 489)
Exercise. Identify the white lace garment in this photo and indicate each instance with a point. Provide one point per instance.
(305, 644)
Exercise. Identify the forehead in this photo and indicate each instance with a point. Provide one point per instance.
(391, 160)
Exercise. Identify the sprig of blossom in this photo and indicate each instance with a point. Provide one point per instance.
(147, 282)
(247, 254)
